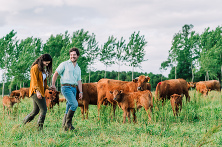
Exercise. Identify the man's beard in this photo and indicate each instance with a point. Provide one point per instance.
(74, 60)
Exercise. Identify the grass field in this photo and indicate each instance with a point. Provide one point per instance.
(199, 124)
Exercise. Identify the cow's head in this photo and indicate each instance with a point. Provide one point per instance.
(142, 82)
(117, 95)
(176, 99)
(16, 99)
(204, 91)
(52, 97)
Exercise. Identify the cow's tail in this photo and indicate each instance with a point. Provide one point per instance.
(157, 92)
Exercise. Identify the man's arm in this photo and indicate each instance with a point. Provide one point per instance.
(55, 75)
(80, 89)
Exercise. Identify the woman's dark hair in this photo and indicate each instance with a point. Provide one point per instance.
(74, 49)
(39, 61)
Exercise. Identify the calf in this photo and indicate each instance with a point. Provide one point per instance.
(202, 88)
(15, 93)
(176, 103)
(52, 98)
(127, 101)
(8, 102)
(24, 92)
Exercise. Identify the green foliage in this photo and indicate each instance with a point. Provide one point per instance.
(183, 53)
(211, 55)
(135, 50)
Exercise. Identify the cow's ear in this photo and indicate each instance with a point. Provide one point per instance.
(111, 92)
(148, 79)
(121, 91)
(135, 80)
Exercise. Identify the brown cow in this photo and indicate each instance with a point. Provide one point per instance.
(141, 80)
(191, 85)
(167, 88)
(8, 102)
(89, 97)
(15, 93)
(62, 99)
(106, 85)
(127, 101)
(202, 88)
(176, 103)
(24, 92)
(52, 98)
(213, 85)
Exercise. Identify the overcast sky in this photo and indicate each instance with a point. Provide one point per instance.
(157, 20)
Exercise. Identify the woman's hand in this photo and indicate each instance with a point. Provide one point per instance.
(39, 96)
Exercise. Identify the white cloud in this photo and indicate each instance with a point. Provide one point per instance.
(158, 20)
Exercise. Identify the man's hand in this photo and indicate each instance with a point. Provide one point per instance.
(80, 96)
(53, 87)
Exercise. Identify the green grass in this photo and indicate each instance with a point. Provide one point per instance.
(199, 124)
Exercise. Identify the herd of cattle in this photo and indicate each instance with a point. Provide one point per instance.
(129, 96)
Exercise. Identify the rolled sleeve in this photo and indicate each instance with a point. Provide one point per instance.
(60, 69)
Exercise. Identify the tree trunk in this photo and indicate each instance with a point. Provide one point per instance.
(118, 70)
(132, 72)
(192, 72)
(207, 76)
(175, 72)
(3, 85)
(105, 72)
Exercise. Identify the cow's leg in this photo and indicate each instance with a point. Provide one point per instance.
(86, 110)
(128, 115)
(82, 111)
(187, 96)
(114, 110)
(134, 115)
(124, 116)
(99, 102)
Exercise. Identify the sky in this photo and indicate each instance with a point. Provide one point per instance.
(157, 20)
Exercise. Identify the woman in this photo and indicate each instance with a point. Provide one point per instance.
(41, 69)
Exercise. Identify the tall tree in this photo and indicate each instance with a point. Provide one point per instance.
(28, 50)
(54, 45)
(107, 52)
(91, 52)
(135, 50)
(7, 46)
(120, 48)
(211, 55)
(183, 53)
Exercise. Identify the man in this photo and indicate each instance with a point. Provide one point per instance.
(70, 74)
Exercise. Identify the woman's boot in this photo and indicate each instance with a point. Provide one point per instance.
(41, 121)
(64, 120)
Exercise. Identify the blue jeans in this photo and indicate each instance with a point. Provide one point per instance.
(70, 94)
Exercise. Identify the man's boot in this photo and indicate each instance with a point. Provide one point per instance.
(41, 121)
(68, 124)
(28, 118)
(64, 120)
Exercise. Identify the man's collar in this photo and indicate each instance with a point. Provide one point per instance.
(71, 62)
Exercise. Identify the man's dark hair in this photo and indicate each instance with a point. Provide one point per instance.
(74, 49)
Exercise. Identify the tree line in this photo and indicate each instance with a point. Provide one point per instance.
(192, 56)
(16, 56)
